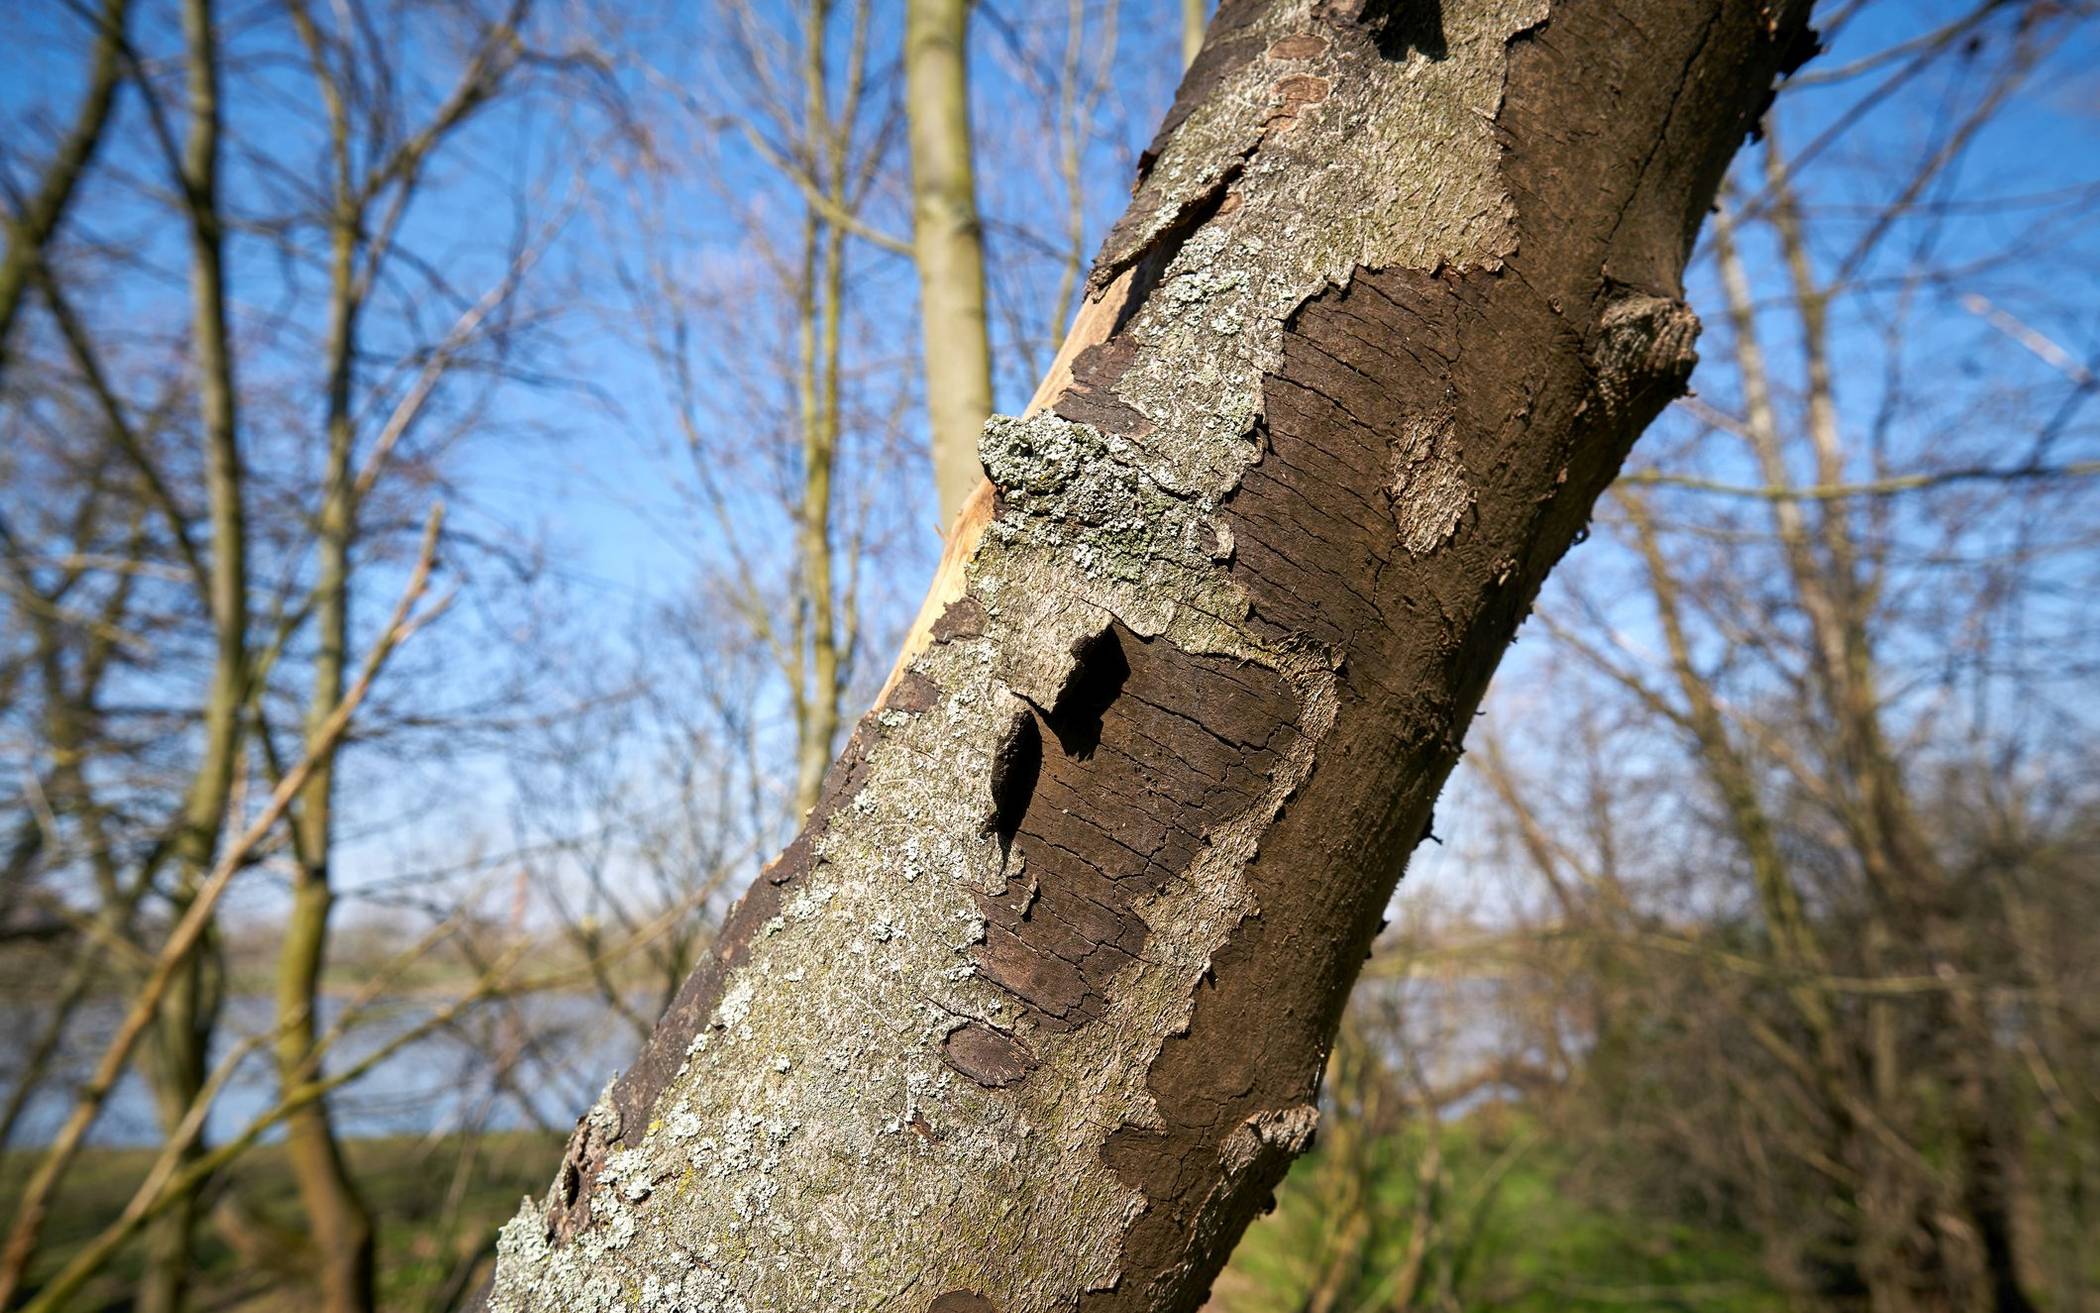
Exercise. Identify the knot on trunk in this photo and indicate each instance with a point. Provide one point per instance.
(1643, 345)
(1276, 1133)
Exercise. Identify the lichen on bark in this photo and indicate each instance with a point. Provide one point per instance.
(867, 972)
(1394, 165)
(912, 1082)
(872, 1148)
(1331, 161)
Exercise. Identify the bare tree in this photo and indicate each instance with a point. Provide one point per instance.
(34, 220)
(255, 594)
(189, 1010)
(1065, 129)
(373, 178)
(787, 516)
(168, 971)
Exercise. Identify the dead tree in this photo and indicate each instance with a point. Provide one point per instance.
(1032, 1013)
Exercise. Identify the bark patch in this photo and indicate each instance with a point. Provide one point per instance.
(914, 693)
(1148, 748)
(1295, 93)
(964, 618)
(1300, 45)
(993, 1060)
(1430, 495)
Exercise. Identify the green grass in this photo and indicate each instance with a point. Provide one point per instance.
(436, 1218)
(1513, 1234)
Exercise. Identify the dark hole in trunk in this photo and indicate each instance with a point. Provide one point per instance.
(1401, 26)
(1094, 685)
(1015, 768)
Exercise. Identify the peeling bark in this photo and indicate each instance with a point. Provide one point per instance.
(1032, 1014)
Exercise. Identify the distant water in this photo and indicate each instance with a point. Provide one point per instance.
(538, 1062)
(532, 1062)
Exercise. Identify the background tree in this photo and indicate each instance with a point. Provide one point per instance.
(947, 244)
(249, 614)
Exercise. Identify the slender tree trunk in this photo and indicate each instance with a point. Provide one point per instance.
(817, 675)
(947, 244)
(340, 1225)
(1975, 1262)
(1032, 1014)
(71, 708)
(190, 1010)
(1193, 18)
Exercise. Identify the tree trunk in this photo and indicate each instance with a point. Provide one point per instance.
(339, 1223)
(947, 244)
(1193, 19)
(1032, 1014)
(190, 1010)
(817, 667)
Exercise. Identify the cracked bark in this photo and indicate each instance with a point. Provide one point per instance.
(1032, 1014)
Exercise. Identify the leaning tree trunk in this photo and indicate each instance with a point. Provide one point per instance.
(1032, 1014)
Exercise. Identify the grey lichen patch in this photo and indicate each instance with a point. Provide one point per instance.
(1336, 159)
(1430, 493)
(1143, 550)
(1429, 122)
(604, 1117)
(924, 1127)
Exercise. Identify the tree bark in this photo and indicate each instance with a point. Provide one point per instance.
(947, 244)
(1033, 1012)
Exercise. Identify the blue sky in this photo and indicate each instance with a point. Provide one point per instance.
(580, 457)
